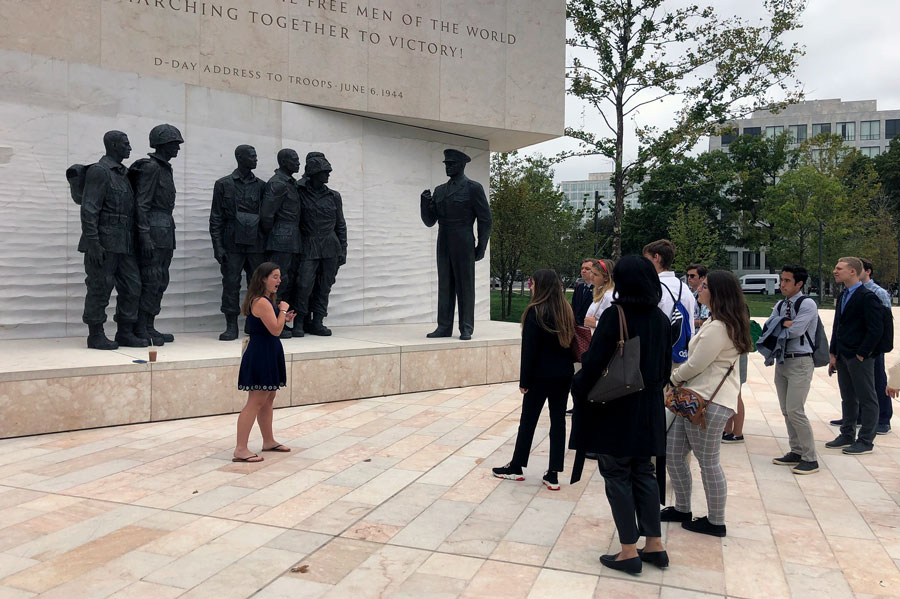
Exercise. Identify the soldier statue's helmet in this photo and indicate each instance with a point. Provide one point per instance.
(455, 156)
(316, 164)
(163, 134)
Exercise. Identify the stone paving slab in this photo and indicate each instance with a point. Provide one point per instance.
(393, 497)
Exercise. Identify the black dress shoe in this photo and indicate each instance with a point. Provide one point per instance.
(660, 559)
(465, 337)
(632, 565)
(439, 333)
(704, 526)
(670, 514)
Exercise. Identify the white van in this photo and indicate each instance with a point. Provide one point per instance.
(759, 283)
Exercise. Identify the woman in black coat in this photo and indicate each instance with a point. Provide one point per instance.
(628, 431)
(545, 375)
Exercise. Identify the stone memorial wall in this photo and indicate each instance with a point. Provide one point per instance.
(380, 88)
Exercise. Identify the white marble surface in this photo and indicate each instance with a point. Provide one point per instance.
(46, 358)
(492, 65)
(54, 113)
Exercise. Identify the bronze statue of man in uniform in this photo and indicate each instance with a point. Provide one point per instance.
(456, 206)
(154, 189)
(237, 237)
(280, 217)
(107, 240)
(323, 233)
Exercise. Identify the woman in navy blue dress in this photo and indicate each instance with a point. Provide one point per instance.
(262, 366)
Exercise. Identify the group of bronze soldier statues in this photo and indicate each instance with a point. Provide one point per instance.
(128, 237)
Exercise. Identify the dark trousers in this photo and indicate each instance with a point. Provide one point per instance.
(856, 380)
(288, 264)
(556, 393)
(155, 280)
(117, 270)
(232, 266)
(314, 281)
(885, 408)
(633, 496)
(456, 281)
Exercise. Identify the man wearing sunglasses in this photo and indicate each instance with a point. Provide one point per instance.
(696, 275)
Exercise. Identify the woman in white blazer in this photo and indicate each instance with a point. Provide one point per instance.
(713, 354)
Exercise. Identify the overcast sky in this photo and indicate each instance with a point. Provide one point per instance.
(852, 53)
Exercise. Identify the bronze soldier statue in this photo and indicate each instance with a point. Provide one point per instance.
(456, 205)
(154, 188)
(323, 233)
(108, 244)
(280, 217)
(237, 237)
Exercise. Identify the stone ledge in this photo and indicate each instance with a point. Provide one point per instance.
(54, 385)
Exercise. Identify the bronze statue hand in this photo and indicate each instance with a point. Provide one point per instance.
(96, 254)
(146, 246)
(426, 195)
(219, 255)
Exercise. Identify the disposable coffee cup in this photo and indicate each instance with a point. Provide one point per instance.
(153, 355)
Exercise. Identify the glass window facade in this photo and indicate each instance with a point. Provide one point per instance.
(752, 130)
(870, 151)
(797, 133)
(869, 130)
(774, 131)
(891, 128)
(846, 130)
(820, 128)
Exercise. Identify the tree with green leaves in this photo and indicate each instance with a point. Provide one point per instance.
(533, 226)
(803, 199)
(695, 238)
(631, 53)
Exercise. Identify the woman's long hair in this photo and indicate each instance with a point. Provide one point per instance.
(257, 286)
(606, 269)
(727, 305)
(552, 311)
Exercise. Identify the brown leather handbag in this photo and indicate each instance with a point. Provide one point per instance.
(689, 404)
(622, 375)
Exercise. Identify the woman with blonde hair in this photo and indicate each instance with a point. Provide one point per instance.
(262, 370)
(711, 371)
(602, 276)
(545, 375)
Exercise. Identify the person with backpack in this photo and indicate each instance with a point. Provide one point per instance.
(799, 317)
(856, 339)
(108, 243)
(677, 302)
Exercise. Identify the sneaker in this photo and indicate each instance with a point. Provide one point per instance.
(510, 472)
(805, 467)
(730, 438)
(550, 480)
(788, 459)
(705, 527)
(858, 448)
(670, 514)
(839, 442)
(882, 429)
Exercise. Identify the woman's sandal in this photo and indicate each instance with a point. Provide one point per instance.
(248, 459)
(278, 448)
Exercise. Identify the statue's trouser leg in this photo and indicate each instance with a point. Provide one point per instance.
(325, 276)
(128, 288)
(154, 280)
(462, 262)
(306, 282)
(446, 286)
(99, 281)
(232, 268)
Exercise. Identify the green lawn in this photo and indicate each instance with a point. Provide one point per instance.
(760, 305)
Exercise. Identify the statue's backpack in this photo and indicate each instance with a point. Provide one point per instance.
(76, 174)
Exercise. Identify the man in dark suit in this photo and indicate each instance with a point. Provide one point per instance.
(456, 206)
(583, 296)
(856, 332)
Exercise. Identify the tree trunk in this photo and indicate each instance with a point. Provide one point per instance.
(619, 183)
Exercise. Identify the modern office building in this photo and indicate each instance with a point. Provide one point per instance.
(580, 194)
(859, 122)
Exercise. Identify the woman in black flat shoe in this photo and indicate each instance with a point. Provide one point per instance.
(627, 431)
(545, 375)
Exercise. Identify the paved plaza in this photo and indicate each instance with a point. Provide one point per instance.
(393, 497)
